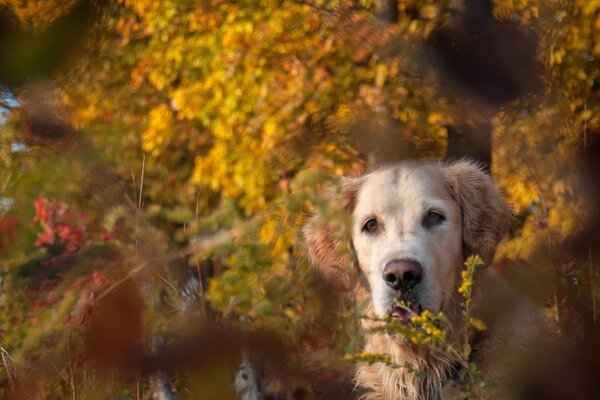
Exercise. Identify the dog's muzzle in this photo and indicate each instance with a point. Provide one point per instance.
(402, 275)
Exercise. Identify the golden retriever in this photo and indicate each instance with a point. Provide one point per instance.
(411, 227)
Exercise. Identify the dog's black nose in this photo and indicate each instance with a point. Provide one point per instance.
(402, 274)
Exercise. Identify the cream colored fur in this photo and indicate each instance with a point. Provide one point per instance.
(476, 218)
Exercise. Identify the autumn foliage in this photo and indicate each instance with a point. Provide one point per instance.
(158, 160)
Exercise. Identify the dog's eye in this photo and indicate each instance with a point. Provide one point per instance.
(433, 218)
(370, 226)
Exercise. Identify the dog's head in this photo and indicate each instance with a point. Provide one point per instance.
(411, 226)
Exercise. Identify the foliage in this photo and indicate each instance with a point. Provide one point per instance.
(58, 226)
(189, 141)
(539, 170)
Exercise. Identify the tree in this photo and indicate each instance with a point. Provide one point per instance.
(196, 136)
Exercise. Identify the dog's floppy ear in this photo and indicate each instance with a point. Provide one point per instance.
(486, 217)
(327, 236)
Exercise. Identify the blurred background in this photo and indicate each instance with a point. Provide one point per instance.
(158, 160)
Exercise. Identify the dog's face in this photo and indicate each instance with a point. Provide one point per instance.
(411, 226)
(407, 235)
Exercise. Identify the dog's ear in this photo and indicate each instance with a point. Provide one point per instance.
(486, 217)
(327, 236)
(350, 188)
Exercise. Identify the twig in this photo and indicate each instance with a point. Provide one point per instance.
(118, 283)
(585, 126)
(592, 285)
(60, 373)
(165, 280)
(142, 182)
(546, 214)
(200, 283)
(72, 368)
(138, 391)
(134, 185)
(7, 362)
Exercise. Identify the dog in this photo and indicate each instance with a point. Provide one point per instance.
(409, 229)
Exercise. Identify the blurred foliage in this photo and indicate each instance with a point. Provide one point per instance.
(197, 136)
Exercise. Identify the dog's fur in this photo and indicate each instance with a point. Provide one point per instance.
(475, 220)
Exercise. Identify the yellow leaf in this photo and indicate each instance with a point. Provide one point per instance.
(434, 117)
(380, 75)
(477, 324)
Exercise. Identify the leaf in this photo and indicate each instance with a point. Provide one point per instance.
(466, 350)
(477, 324)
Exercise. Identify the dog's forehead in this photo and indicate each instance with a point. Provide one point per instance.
(410, 184)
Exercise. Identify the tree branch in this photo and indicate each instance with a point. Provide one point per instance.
(386, 11)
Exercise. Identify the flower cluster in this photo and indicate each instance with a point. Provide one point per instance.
(427, 328)
(472, 263)
(59, 225)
